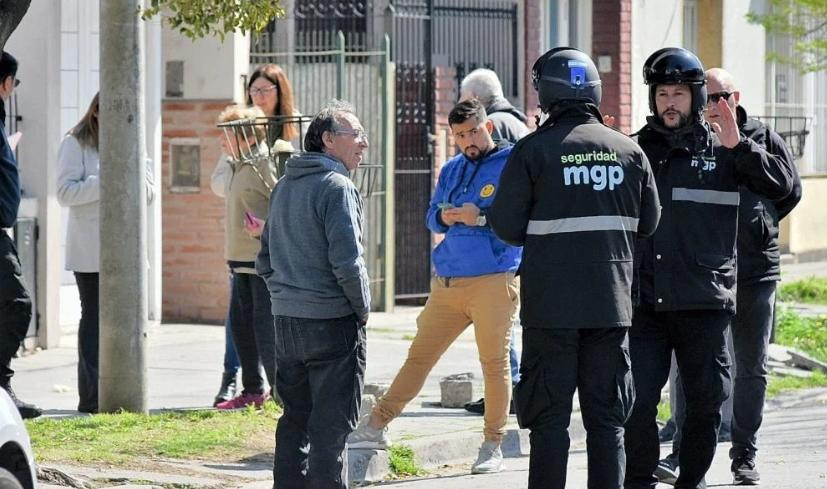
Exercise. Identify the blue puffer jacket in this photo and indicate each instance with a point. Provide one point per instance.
(468, 251)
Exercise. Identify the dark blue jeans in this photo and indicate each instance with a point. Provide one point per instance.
(321, 372)
(750, 337)
(231, 362)
(697, 338)
(88, 341)
(253, 334)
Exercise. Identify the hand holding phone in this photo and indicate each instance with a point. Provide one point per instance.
(445, 205)
(253, 225)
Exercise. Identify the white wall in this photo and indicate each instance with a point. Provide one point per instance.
(36, 46)
(212, 69)
(655, 24)
(743, 54)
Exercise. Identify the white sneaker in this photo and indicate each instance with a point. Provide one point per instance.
(367, 437)
(489, 460)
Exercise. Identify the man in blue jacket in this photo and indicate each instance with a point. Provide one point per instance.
(15, 303)
(475, 283)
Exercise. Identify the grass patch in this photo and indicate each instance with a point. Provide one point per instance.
(664, 411)
(127, 438)
(402, 462)
(802, 333)
(777, 384)
(811, 290)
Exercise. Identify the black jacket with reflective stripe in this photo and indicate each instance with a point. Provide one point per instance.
(759, 255)
(689, 262)
(576, 194)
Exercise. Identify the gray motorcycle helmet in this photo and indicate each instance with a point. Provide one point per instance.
(566, 74)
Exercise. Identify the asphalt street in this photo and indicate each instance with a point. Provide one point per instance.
(793, 455)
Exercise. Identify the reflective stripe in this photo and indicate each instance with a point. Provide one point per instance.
(706, 196)
(577, 224)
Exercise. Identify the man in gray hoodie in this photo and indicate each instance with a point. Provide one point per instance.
(312, 260)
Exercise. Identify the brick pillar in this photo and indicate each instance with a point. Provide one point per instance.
(612, 36)
(532, 52)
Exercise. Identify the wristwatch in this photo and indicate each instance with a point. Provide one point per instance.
(481, 220)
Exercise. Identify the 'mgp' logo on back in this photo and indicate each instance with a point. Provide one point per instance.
(599, 176)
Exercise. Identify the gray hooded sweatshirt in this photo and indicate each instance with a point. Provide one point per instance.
(311, 248)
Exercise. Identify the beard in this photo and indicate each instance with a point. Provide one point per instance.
(683, 119)
(472, 152)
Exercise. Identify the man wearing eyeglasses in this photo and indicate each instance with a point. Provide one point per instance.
(475, 283)
(758, 272)
(15, 303)
(685, 281)
(313, 262)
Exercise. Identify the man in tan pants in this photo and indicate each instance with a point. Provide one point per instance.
(475, 283)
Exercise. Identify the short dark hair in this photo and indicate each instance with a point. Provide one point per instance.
(326, 120)
(466, 110)
(8, 66)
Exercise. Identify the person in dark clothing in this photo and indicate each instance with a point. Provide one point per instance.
(15, 302)
(576, 194)
(685, 278)
(509, 126)
(758, 272)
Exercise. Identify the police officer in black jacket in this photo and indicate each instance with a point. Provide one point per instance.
(15, 303)
(685, 280)
(759, 270)
(576, 194)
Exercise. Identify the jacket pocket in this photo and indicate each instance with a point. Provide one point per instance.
(531, 397)
(714, 261)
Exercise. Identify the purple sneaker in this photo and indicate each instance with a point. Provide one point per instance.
(243, 400)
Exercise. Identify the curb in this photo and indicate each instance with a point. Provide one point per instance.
(369, 466)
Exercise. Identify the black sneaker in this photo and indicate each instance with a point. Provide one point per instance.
(744, 472)
(667, 469)
(478, 407)
(227, 390)
(27, 411)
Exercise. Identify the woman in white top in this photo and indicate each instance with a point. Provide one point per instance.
(78, 188)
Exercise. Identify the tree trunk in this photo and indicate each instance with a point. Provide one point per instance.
(11, 13)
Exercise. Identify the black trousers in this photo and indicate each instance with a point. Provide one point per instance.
(253, 333)
(751, 331)
(321, 373)
(554, 363)
(697, 338)
(15, 307)
(88, 341)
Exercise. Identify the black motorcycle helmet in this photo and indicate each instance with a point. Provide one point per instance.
(676, 66)
(566, 74)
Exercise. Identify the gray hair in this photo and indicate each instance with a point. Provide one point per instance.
(326, 120)
(484, 84)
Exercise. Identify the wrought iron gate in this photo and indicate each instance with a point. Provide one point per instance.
(464, 34)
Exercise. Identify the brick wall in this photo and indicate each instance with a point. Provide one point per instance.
(612, 36)
(195, 284)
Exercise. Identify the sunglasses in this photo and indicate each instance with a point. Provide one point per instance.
(713, 98)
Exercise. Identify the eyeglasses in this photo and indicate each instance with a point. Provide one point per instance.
(713, 98)
(359, 134)
(255, 91)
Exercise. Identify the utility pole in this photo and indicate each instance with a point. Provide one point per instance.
(123, 209)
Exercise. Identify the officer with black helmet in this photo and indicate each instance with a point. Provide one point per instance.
(576, 194)
(685, 271)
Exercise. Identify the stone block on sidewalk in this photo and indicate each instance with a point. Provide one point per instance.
(377, 390)
(802, 360)
(457, 390)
